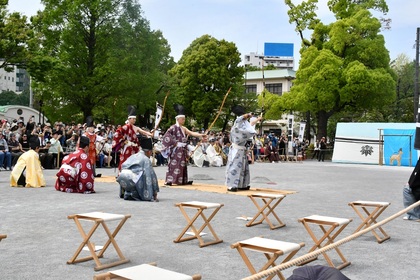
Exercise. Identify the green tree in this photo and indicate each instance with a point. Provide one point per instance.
(104, 57)
(12, 98)
(345, 65)
(402, 109)
(15, 33)
(205, 72)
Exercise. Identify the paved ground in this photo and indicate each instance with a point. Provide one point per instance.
(41, 238)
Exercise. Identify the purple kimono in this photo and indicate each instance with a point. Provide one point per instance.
(174, 144)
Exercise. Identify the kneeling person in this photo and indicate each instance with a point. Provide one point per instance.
(76, 172)
(138, 180)
(28, 163)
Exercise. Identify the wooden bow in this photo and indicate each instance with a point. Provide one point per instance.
(163, 110)
(213, 122)
(218, 113)
(263, 99)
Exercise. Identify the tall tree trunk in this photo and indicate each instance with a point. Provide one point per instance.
(322, 124)
(308, 126)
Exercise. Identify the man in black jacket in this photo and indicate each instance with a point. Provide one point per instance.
(411, 194)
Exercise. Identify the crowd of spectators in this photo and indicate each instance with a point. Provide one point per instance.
(59, 139)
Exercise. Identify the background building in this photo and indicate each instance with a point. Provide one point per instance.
(15, 112)
(16, 81)
(280, 55)
(276, 82)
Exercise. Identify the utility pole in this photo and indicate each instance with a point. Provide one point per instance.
(416, 95)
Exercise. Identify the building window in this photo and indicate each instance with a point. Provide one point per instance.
(274, 88)
(251, 89)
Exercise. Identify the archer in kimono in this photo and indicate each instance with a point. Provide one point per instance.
(237, 167)
(174, 148)
(125, 138)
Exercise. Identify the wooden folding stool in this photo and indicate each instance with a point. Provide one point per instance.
(371, 211)
(199, 207)
(145, 272)
(272, 249)
(270, 202)
(331, 227)
(99, 218)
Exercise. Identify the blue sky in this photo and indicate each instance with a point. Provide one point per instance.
(250, 23)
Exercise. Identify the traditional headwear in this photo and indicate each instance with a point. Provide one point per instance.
(146, 144)
(34, 142)
(131, 112)
(89, 121)
(84, 141)
(238, 110)
(179, 109)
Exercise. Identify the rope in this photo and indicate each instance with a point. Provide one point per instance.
(311, 255)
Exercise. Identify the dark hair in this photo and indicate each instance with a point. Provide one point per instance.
(84, 142)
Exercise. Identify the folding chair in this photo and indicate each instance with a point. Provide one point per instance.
(145, 272)
(197, 233)
(269, 203)
(371, 211)
(272, 249)
(98, 218)
(331, 227)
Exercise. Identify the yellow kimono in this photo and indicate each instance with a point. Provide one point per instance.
(34, 176)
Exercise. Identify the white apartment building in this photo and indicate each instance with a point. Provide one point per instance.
(16, 81)
(259, 60)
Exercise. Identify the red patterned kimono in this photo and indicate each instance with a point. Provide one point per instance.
(75, 174)
(92, 147)
(131, 147)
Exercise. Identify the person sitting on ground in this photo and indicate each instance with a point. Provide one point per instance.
(27, 171)
(271, 152)
(214, 157)
(15, 148)
(55, 149)
(411, 194)
(5, 155)
(76, 173)
(138, 180)
(47, 160)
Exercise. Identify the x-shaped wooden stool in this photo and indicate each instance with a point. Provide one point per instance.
(371, 211)
(199, 207)
(272, 249)
(145, 272)
(99, 218)
(331, 228)
(269, 203)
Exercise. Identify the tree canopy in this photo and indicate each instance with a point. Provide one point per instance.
(205, 72)
(103, 57)
(15, 34)
(344, 66)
